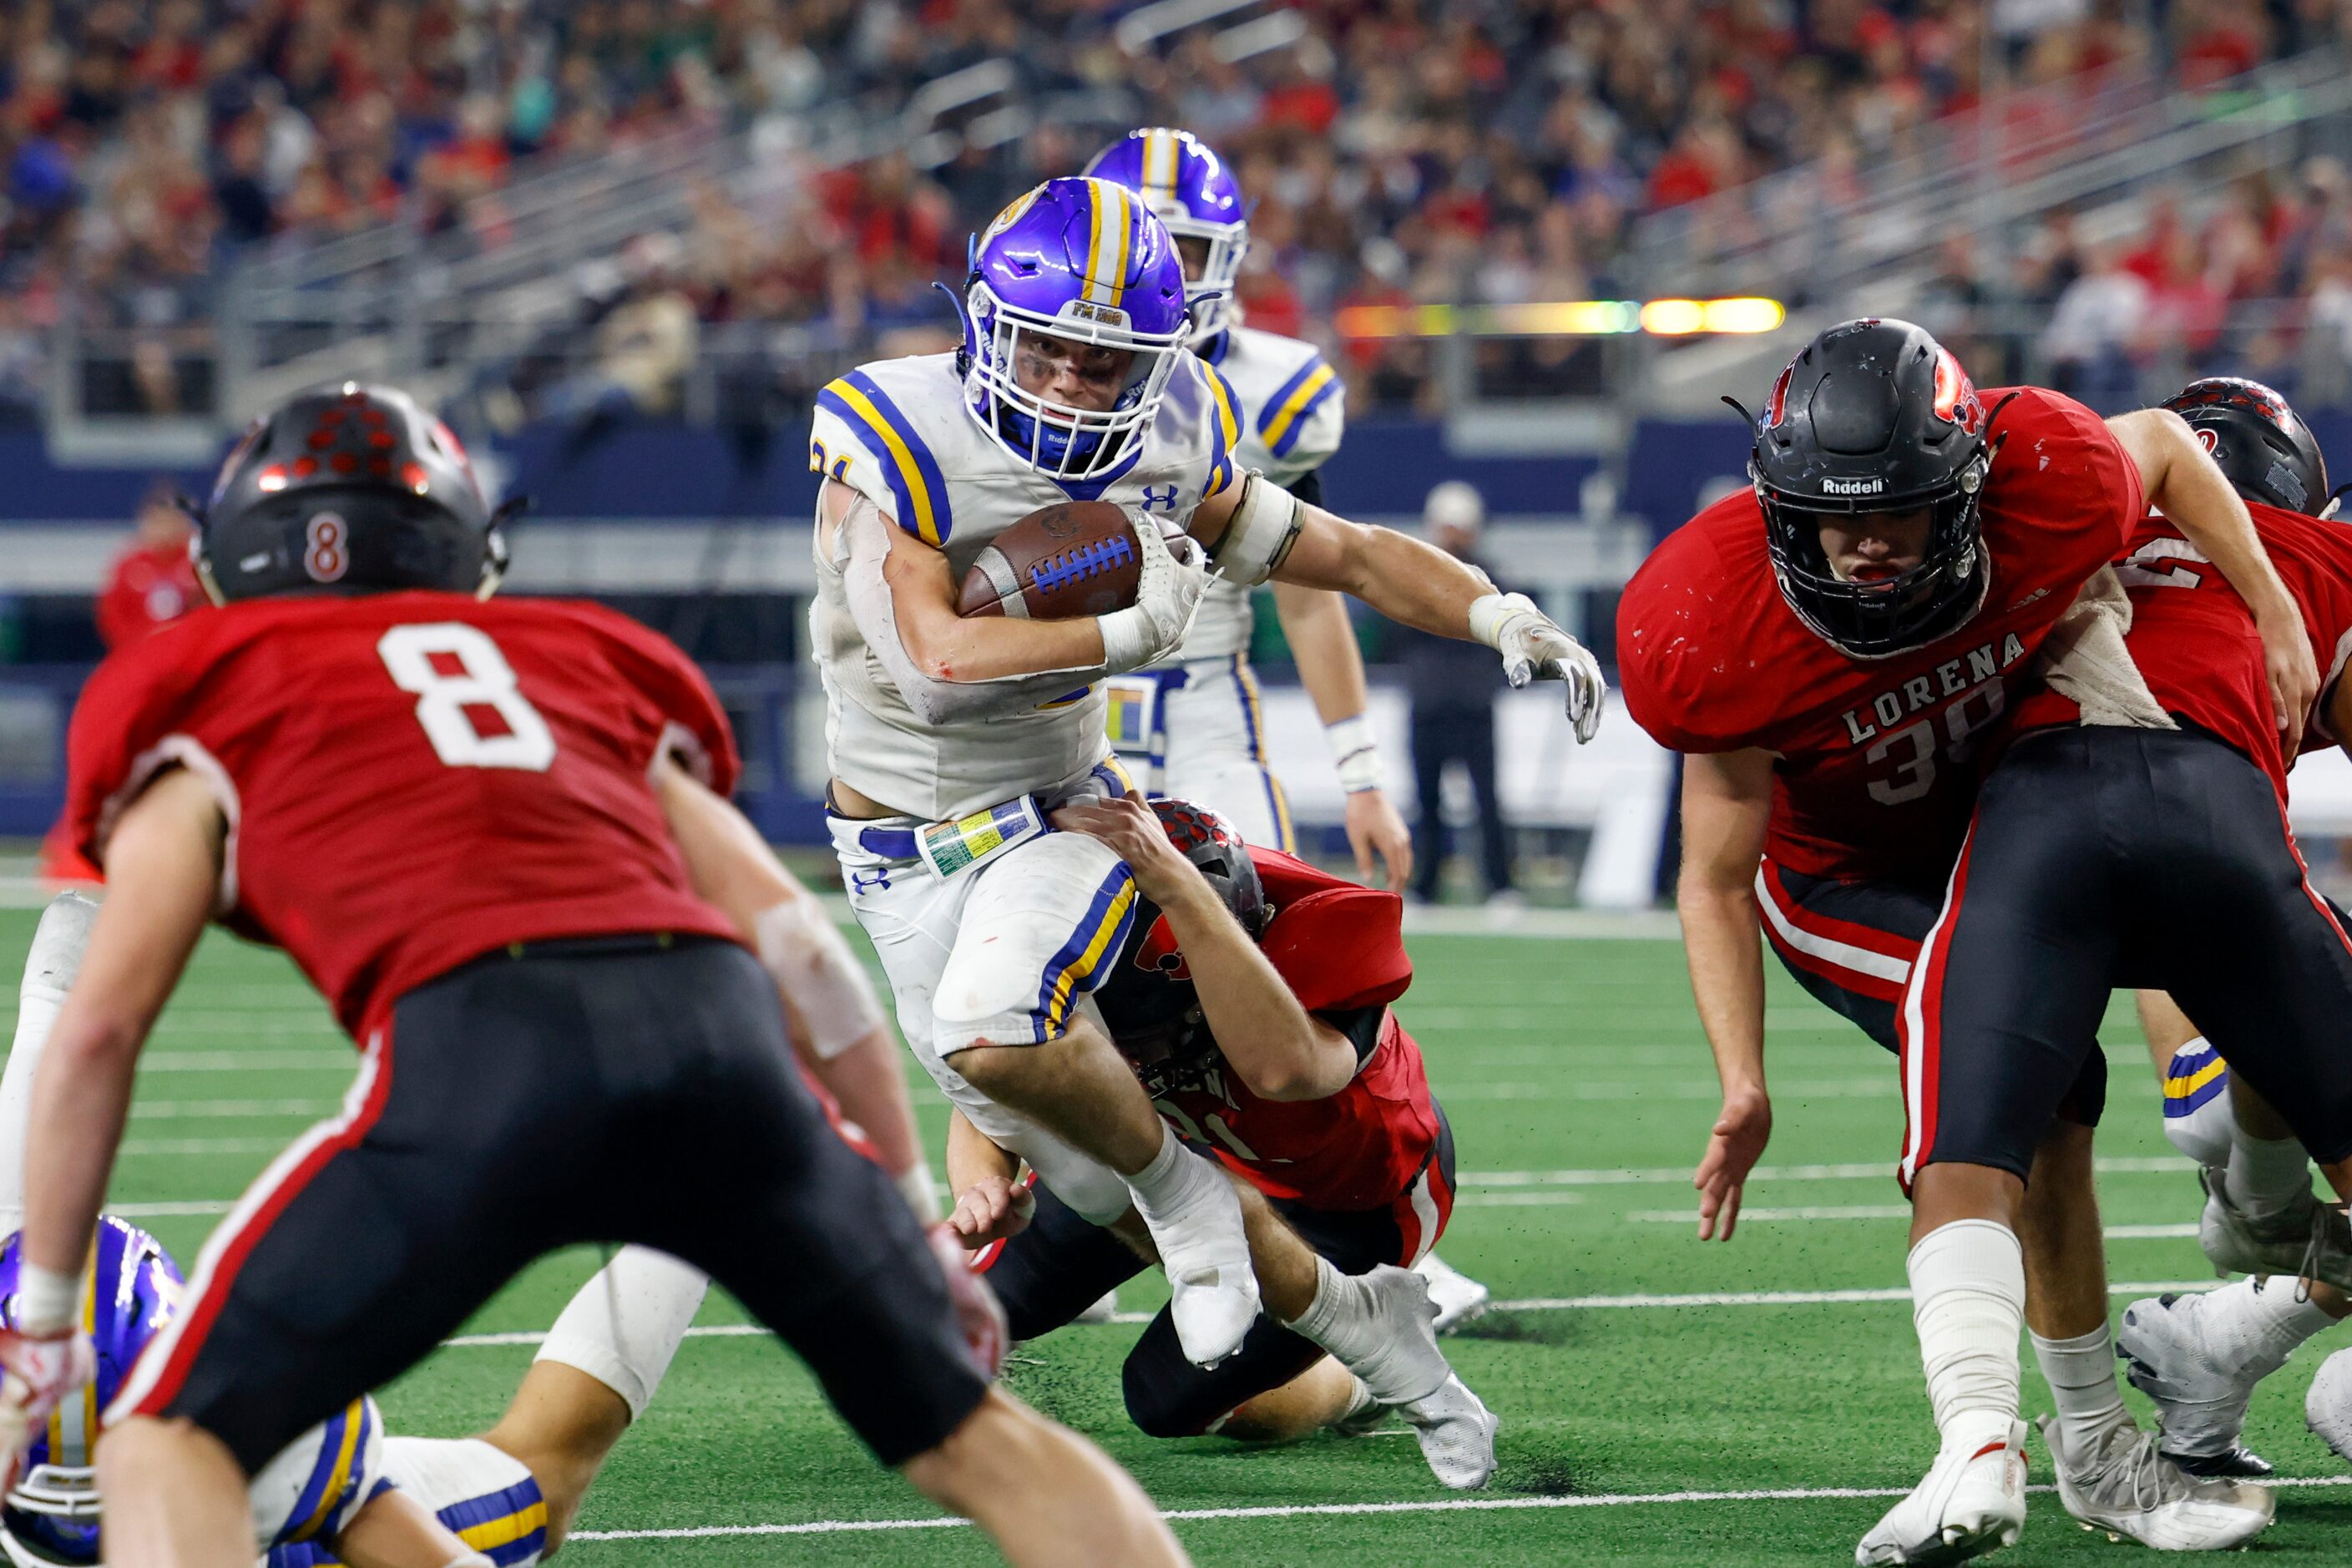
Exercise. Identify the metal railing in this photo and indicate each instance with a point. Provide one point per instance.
(1832, 224)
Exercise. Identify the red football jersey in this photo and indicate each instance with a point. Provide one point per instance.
(2194, 639)
(1876, 775)
(412, 779)
(1341, 949)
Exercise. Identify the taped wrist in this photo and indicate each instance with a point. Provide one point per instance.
(922, 1193)
(46, 1300)
(1354, 752)
(1493, 616)
(810, 962)
(1266, 523)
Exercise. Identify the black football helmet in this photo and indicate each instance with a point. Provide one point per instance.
(2262, 445)
(1149, 1003)
(347, 489)
(1874, 415)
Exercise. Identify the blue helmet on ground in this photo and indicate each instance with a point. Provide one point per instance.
(1190, 189)
(131, 1290)
(1081, 262)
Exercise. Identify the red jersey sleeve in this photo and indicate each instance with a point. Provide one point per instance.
(135, 717)
(692, 725)
(1692, 641)
(2059, 472)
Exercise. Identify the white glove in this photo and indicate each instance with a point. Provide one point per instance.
(1534, 649)
(1175, 574)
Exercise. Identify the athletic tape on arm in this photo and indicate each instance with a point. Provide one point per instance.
(1266, 523)
(812, 963)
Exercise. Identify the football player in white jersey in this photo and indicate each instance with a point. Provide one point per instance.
(1191, 727)
(949, 739)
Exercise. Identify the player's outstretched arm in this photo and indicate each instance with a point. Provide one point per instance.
(1332, 668)
(1255, 531)
(1279, 1049)
(2182, 481)
(1726, 803)
(838, 1022)
(162, 870)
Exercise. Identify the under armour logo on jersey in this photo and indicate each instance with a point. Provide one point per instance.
(1164, 499)
(868, 882)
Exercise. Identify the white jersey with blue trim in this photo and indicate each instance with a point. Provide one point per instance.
(901, 434)
(303, 1497)
(483, 1495)
(1292, 411)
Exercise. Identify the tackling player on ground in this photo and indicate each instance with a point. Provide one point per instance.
(332, 761)
(1191, 726)
(1829, 649)
(950, 740)
(1252, 1001)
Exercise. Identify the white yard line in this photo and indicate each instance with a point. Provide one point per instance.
(1886, 1211)
(1529, 1304)
(1881, 1170)
(1884, 1086)
(1330, 1510)
(343, 1061)
(178, 1110)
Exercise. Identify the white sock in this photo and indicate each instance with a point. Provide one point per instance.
(2252, 1325)
(1967, 1303)
(2081, 1372)
(1344, 1320)
(1172, 1179)
(2205, 1132)
(625, 1325)
(2268, 1176)
(1358, 1402)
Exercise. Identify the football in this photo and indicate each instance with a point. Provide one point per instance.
(1073, 559)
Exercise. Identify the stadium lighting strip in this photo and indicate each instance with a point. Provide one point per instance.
(1564, 319)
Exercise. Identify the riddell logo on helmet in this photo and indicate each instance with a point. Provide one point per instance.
(1852, 486)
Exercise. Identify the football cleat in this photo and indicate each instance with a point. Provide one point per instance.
(1459, 1298)
(2305, 1241)
(2201, 1399)
(1456, 1433)
(1972, 1501)
(1102, 1309)
(2328, 1407)
(2125, 1487)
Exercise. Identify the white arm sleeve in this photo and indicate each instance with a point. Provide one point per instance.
(49, 970)
(865, 541)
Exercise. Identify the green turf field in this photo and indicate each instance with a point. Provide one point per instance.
(1579, 1092)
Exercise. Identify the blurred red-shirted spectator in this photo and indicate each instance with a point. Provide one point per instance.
(152, 581)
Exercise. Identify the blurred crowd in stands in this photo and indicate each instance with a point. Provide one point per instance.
(1397, 150)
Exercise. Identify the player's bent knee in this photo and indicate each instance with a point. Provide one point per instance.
(1157, 1406)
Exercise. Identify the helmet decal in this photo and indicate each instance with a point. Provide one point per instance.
(1956, 396)
(2259, 442)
